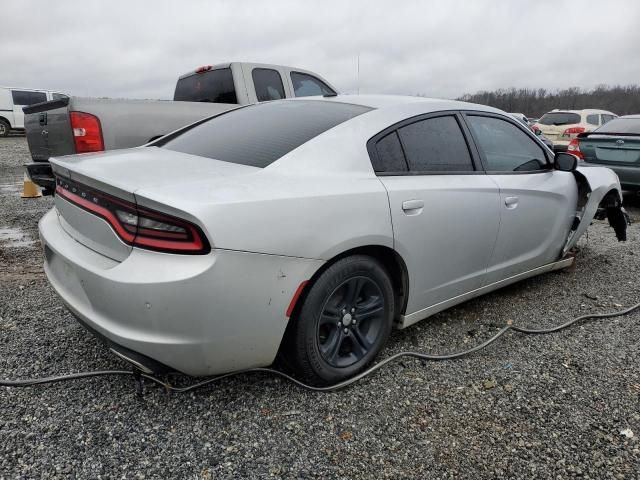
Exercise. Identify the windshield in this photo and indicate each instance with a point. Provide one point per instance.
(559, 118)
(621, 125)
(260, 134)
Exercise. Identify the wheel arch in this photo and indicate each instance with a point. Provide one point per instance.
(388, 257)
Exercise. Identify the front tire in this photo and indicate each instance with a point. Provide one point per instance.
(4, 128)
(344, 322)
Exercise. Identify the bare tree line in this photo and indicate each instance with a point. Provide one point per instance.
(619, 99)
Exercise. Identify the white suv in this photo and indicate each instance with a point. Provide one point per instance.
(13, 99)
(562, 126)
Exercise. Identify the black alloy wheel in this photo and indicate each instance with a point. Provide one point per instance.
(343, 322)
(352, 319)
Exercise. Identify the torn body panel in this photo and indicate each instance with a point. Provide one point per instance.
(597, 185)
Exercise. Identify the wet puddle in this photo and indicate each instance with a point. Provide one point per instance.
(14, 237)
(10, 187)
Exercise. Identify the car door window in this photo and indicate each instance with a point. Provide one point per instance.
(305, 85)
(436, 145)
(505, 147)
(606, 118)
(593, 119)
(23, 98)
(268, 84)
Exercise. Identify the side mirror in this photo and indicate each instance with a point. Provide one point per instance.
(565, 162)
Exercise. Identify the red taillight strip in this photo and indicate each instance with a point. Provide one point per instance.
(98, 210)
(191, 242)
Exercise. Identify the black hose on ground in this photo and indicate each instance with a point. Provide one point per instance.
(421, 356)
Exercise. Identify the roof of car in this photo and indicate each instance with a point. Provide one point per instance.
(584, 111)
(384, 101)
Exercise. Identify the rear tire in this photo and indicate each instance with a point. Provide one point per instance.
(343, 323)
(4, 128)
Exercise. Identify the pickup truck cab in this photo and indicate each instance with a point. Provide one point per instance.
(77, 125)
(13, 100)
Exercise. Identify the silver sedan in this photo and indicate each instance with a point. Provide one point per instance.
(310, 228)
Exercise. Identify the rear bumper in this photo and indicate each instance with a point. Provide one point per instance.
(197, 314)
(629, 176)
(41, 174)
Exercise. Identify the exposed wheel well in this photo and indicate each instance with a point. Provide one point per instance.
(613, 198)
(6, 120)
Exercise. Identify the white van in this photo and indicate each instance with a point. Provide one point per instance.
(13, 99)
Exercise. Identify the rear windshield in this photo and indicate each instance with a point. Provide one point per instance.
(621, 125)
(260, 134)
(214, 86)
(559, 118)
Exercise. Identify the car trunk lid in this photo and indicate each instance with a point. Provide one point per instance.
(621, 150)
(116, 176)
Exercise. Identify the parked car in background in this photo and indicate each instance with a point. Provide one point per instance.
(615, 145)
(81, 125)
(525, 121)
(309, 227)
(562, 126)
(12, 101)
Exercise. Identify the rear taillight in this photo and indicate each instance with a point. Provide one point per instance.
(573, 131)
(574, 148)
(87, 132)
(136, 226)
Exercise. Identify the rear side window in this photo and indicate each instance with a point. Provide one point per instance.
(214, 86)
(389, 156)
(559, 118)
(607, 118)
(593, 119)
(58, 96)
(506, 148)
(21, 97)
(436, 145)
(305, 85)
(621, 125)
(268, 84)
(260, 134)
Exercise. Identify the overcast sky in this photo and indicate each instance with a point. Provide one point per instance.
(137, 49)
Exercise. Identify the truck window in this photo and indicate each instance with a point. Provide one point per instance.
(58, 96)
(21, 97)
(305, 85)
(268, 84)
(214, 86)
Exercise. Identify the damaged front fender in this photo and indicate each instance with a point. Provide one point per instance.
(596, 186)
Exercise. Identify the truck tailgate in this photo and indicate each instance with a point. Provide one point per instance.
(48, 129)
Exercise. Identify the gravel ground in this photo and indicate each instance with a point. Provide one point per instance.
(527, 407)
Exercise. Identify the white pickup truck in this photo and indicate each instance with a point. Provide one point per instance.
(76, 125)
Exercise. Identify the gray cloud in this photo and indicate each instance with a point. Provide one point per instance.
(436, 48)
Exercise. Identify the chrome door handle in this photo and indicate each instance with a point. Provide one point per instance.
(413, 207)
(511, 202)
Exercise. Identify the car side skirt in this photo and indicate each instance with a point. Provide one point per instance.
(412, 318)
